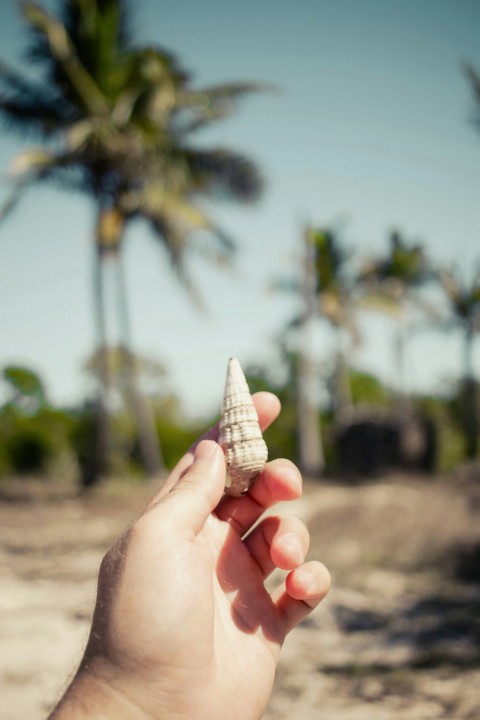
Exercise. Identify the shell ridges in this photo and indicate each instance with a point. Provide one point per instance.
(239, 434)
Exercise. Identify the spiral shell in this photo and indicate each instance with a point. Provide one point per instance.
(240, 436)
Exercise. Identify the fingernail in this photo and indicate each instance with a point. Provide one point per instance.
(205, 450)
(305, 578)
(292, 542)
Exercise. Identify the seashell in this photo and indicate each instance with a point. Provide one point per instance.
(239, 435)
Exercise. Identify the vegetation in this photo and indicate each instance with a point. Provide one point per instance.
(390, 284)
(117, 122)
(49, 442)
(37, 438)
(464, 306)
(46, 441)
(324, 291)
(333, 286)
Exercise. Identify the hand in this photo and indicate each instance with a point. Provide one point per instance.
(183, 625)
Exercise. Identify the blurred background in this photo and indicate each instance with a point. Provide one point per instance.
(296, 186)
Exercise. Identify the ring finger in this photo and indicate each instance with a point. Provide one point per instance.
(278, 542)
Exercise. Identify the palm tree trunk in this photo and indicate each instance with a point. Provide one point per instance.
(342, 387)
(470, 401)
(403, 402)
(141, 407)
(102, 440)
(311, 454)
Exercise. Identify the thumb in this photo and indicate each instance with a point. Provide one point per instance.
(198, 491)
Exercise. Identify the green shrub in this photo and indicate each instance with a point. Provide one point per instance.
(29, 450)
(27, 446)
(175, 439)
(81, 438)
(31, 444)
(5, 468)
(367, 389)
(450, 440)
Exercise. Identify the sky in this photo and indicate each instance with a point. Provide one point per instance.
(370, 129)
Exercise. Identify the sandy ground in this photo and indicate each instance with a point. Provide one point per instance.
(398, 637)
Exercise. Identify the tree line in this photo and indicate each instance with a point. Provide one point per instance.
(335, 286)
(332, 286)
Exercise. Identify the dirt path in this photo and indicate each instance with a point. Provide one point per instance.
(399, 636)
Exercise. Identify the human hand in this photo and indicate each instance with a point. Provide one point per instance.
(184, 626)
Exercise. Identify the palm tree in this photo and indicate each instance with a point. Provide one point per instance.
(390, 283)
(325, 293)
(335, 303)
(464, 302)
(117, 121)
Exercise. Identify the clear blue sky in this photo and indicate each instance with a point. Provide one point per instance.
(373, 125)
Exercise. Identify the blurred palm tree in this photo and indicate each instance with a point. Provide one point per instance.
(464, 303)
(325, 291)
(390, 284)
(335, 296)
(117, 121)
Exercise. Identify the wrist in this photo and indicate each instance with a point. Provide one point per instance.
(97, 693)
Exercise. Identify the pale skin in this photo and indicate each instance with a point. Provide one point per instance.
(183, 626)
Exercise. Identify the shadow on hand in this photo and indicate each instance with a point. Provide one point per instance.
(241, 579)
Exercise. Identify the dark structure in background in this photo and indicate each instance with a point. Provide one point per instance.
(370, 441)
